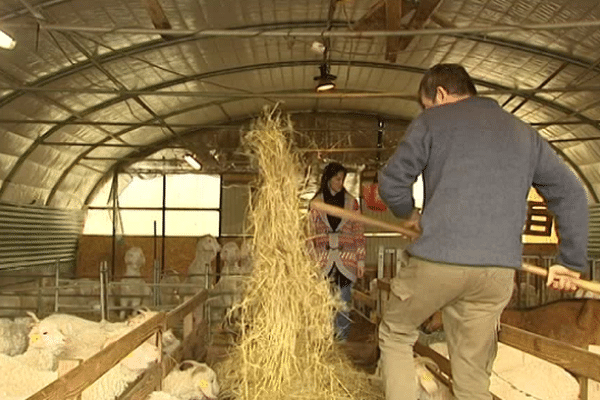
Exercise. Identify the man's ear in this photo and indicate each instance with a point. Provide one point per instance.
(441, 95)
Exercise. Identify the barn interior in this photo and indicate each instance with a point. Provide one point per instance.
(122, 126)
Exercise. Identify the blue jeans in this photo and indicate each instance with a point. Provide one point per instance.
(342, 319)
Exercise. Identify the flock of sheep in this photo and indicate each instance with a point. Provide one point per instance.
(26, 369)
(30, 348)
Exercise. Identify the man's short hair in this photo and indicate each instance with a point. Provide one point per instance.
(452, 77)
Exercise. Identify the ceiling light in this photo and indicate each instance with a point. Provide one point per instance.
(325, 79)
(7, 42)
(318, 47)
(193, 161)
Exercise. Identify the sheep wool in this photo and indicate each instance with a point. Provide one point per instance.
(14, 335)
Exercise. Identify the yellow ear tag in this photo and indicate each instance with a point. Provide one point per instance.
(203, 384)
(34, 338)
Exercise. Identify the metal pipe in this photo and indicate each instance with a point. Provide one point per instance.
(313, 34)
(56, 283)
(103, 291)
(291, 94)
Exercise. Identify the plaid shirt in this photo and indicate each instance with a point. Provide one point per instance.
(344, 247)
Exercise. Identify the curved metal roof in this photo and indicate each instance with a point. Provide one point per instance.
(93, 85)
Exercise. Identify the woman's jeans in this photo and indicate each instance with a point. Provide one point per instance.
(342, 319)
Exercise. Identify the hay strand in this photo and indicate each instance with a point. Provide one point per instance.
(286, 348)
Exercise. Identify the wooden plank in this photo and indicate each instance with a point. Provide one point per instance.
(375, 18)
(424, 12)
(364, 298)
(393, 13)
(177, 314)
(157, 14)
(77, 380)
(148, 382)
(576, 360)
(383, 284)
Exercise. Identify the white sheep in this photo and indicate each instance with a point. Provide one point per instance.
(206, 251)
(133, 290)
(428, 386)
(229, 289)
(198, 381)
(246, 257)
(14, 335)
(22, 378)
(73, 337)
(170, 295)
(110, 385)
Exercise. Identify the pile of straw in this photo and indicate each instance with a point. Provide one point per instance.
(286, 349)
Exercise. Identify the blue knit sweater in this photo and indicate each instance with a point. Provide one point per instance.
(478, 164)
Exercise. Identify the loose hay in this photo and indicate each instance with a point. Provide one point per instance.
(286, 348)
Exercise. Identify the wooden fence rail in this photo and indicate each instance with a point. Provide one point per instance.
(75, 381)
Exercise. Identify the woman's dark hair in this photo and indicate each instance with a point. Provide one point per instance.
(331, 170)
(452, 77)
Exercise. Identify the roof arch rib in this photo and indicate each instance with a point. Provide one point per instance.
(246, 68)
(160, 43)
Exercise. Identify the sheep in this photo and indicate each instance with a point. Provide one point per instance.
(516, 375)
(198, 381)
(228, 290)
(110, 385)
(25, 374)
(169, 341)
(73, 337)
(20, 380)
(206, 251)
(14, 335)
(246, 258)
(170, 295)
(133, 285)
(428, 386)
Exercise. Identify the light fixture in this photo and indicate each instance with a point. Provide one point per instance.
(193, 161)
(325, 79)
(7, 42)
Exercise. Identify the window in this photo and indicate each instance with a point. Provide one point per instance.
(192, 207)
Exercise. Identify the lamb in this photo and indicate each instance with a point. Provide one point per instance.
(14, 335)
(133, 285)
(198, 381)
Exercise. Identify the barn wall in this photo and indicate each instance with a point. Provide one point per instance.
(36, 237)
(179, 254)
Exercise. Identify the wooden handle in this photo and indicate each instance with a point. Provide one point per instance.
(591, 286)
(355, 216)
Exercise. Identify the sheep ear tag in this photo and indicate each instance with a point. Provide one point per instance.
(35, 337)
(203, 384)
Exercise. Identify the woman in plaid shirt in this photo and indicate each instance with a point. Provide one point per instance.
(339, 243)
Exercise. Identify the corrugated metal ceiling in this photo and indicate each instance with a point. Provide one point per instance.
(89, 86)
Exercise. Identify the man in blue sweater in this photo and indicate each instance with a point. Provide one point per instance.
(478, 164)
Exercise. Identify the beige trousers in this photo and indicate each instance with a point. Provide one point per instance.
(471, 300)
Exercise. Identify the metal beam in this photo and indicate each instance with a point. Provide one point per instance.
(243, 33)
(228, 71)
